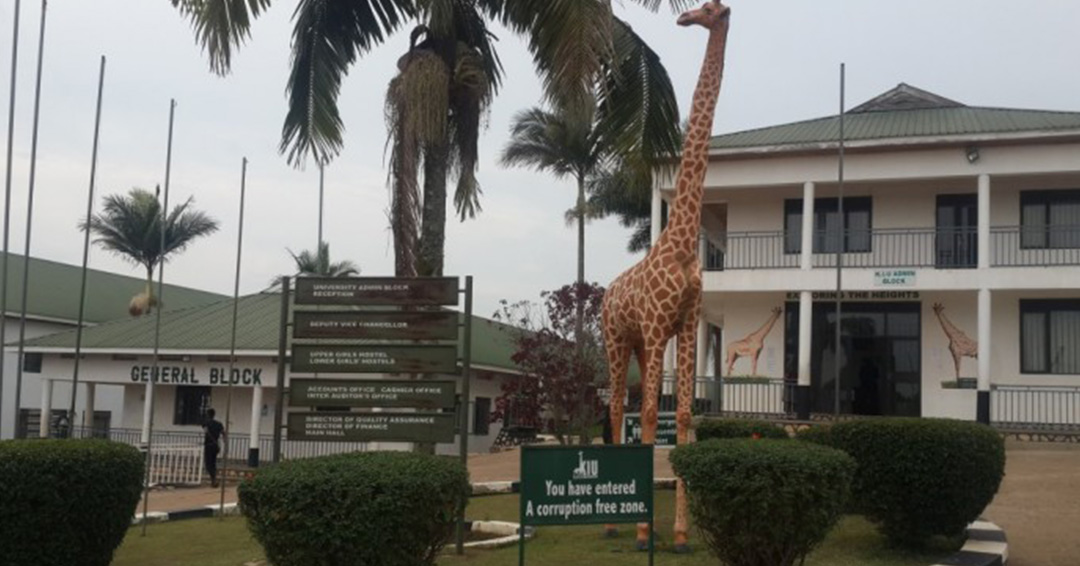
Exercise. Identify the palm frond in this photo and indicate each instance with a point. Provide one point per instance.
(318, 263)
(638, 113)
(471, 92)
(221, 26)
(675, 5)
(328, 36)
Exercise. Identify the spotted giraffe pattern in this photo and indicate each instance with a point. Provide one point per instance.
(660, 297)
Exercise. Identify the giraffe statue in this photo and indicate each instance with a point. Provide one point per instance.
(660, 297)
(959, 344)
(750, 347)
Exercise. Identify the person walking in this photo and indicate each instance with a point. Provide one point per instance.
(214, 436)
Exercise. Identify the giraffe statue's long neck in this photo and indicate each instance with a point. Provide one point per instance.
(685, 218)
(947, 326)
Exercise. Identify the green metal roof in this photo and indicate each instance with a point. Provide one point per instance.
(209, 328)
(903, 112)
(54, 291)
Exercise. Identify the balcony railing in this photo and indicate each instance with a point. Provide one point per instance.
(1028, 246)
(939, 248)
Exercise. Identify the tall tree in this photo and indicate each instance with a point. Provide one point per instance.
(577, 46)
(130, 226)
(318, 263)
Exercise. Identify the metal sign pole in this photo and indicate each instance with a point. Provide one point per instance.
(232, 340)
(842, 244)
(7, 214)
(466, 377)
(282, 345)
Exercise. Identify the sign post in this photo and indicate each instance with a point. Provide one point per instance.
(366, 334)
(586, 485)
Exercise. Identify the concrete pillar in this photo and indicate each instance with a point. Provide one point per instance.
(982, 413)
(256, 421)
(46, 407)
(148, 403)
(806, 257)
(88, 413)
(802, 391)
(984, 222)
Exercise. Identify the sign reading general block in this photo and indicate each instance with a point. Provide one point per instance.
(894, 278)
(376, 291)
(438, 325)
(372, 427)
(371, 393)
(578, 485)
(665, 429)
(350, 358)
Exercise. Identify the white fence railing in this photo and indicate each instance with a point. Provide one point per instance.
(176, 465)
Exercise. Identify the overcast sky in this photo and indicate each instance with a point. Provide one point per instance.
(783, 61)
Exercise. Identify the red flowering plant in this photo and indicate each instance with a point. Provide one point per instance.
(559, 376)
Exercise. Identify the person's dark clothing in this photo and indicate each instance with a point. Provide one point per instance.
(212, 447)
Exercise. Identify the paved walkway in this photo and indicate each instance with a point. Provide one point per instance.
(1038, 504)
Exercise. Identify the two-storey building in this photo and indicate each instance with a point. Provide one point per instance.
(958, 242)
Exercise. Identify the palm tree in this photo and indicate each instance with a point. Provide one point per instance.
(318, 263)
(130, 226)
(563, 146)
(437, 103)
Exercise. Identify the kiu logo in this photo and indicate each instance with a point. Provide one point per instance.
(586, 469)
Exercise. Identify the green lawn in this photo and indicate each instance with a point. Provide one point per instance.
(213, 542)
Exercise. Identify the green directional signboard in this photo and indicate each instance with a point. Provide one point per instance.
(665, 429)
(371, 393)
(372, 427)
(376, 291)
(578, 485)
(352, 358)
(383, 325)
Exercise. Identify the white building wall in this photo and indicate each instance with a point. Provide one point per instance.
(108, 398)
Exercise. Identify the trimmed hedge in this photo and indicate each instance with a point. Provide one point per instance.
(709, 429)
(65, 502)
(763, 502)
(818, 434)
(370, 509)
(920, 477)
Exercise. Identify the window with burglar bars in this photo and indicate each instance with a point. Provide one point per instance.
(191, 405)
(1050, 336)
(1050, 219)
(829, 232)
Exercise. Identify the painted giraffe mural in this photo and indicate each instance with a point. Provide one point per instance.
(750, 347)
(959, 344)
(660, 297)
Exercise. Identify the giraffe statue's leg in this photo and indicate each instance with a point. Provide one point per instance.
(753, 362)
(957, 359)
(684, 409)
(618, 354)
(732, 355)
(650, 396)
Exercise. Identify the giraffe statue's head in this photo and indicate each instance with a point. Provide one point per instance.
(711, 15)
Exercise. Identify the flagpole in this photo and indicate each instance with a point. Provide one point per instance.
(318, 249)
(45, 417)
(86, 251)
(232, 340)
(148, 412)
(7, 216)
(839, 251)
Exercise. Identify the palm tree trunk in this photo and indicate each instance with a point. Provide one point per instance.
(579, 323)
(150, 302)
(433, 221)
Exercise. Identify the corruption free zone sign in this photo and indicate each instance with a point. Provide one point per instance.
(578, 485)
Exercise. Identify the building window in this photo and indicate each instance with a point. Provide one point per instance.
(1050, 336)
(32, 362)
(481, 416)
(1050, 219)
(828, 233)
(191, 405)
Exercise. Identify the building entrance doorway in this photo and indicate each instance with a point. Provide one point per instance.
(880, 357)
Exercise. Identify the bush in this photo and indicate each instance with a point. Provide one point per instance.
(818, 434)
(370, 509)
(66, 501)
(709, 429)
(919, 477)
(763, 502)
